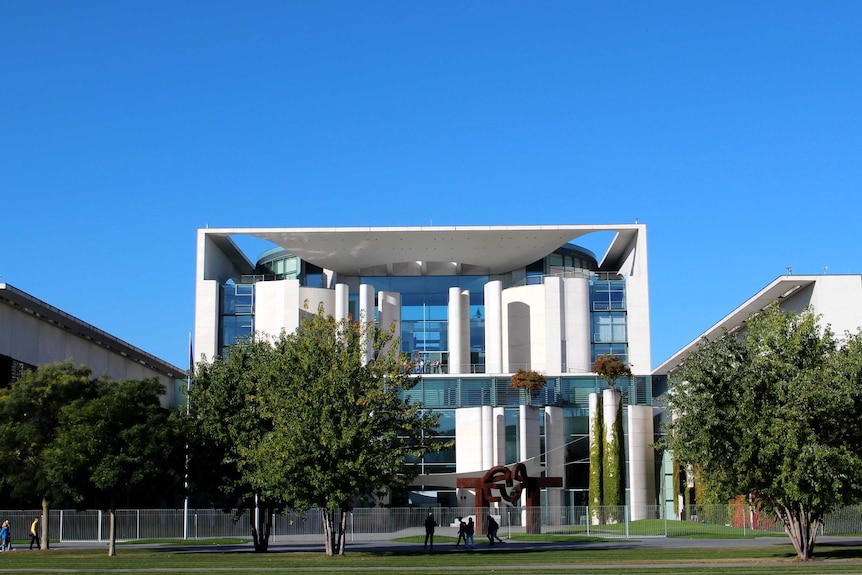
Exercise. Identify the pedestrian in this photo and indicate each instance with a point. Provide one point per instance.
(461, 529)
(430, 524)
(493, 526)
(469, 531)
(4, 535)
(34, 534)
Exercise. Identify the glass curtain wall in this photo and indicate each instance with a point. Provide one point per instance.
(425, 317)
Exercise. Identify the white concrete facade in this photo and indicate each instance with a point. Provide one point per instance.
(35, 333)
(538, 323)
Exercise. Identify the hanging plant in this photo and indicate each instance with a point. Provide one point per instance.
(610, 368)
(532, 380)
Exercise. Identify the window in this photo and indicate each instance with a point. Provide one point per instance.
(237, 314)
(609, 327)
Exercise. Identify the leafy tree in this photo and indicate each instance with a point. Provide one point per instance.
(306, 422)
(29, 417)
(120, 441)
(774, 413)
(231, 417)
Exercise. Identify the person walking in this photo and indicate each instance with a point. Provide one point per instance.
(430, 524)
(4, 536)
(493, 526)
(461, 529)
(469, 532)
(34, 534)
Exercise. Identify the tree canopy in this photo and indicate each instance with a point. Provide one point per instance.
(29, 418)
(108, 446)
(309, 421)
(774, 413)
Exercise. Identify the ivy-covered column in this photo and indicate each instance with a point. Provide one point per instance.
(613, 463)
(597, 442)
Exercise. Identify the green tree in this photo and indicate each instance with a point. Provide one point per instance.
(121, 441)
(774, 414)
(307, 422)
(29, 416)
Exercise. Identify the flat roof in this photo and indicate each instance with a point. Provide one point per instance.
(43, 311)
(493, 249)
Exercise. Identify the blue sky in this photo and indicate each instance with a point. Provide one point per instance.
(732, 129)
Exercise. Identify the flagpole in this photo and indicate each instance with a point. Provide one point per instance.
(186, 474)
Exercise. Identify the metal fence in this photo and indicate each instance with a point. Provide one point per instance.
(381, 524)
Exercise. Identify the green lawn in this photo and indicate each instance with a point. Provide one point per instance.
(772, 559)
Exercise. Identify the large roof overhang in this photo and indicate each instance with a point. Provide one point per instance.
(486, 249)
(780, 288)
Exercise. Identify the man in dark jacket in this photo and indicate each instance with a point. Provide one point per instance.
(430, 524)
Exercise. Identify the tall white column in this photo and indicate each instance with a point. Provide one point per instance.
(641, 458)
(499, 436)
(487, 437)
(366, 316)
(554, 328)
(577, 311)
(528, 430)
(342, 297)
(459, 331)
(494, 327)
(389, 314)
(610, 402)
(555, 456)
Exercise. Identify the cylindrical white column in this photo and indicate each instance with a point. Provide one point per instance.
(499, 436)
(456, 361)
(487, 437)
(389, 314)
(555, 456)
(641, 461)
(494, 327)
(342, 297)
(366, 317)
(577, 304)
(610, 402)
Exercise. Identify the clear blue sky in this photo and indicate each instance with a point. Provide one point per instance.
(732, 129)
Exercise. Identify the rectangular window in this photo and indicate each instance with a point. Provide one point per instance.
(609, 327)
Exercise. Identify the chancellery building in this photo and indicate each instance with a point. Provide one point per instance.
(472, 305)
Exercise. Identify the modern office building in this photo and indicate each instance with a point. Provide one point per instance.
(472, 304)
(836, 299)
(34, 333)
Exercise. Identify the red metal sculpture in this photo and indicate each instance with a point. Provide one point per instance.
(509, 484)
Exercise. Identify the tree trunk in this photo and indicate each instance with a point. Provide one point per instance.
(44, 525)
(112, 530)
(334, 534)
(261, 526)
(801, 527)
(342, 529)
(328, 532)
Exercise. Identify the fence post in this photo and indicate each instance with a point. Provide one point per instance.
(61, 525)
(99, 526)
(664, 514)
(626, 509)
(138, 529)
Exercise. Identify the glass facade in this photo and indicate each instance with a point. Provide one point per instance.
(236, 314)
(425, 316)
(608, 317)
